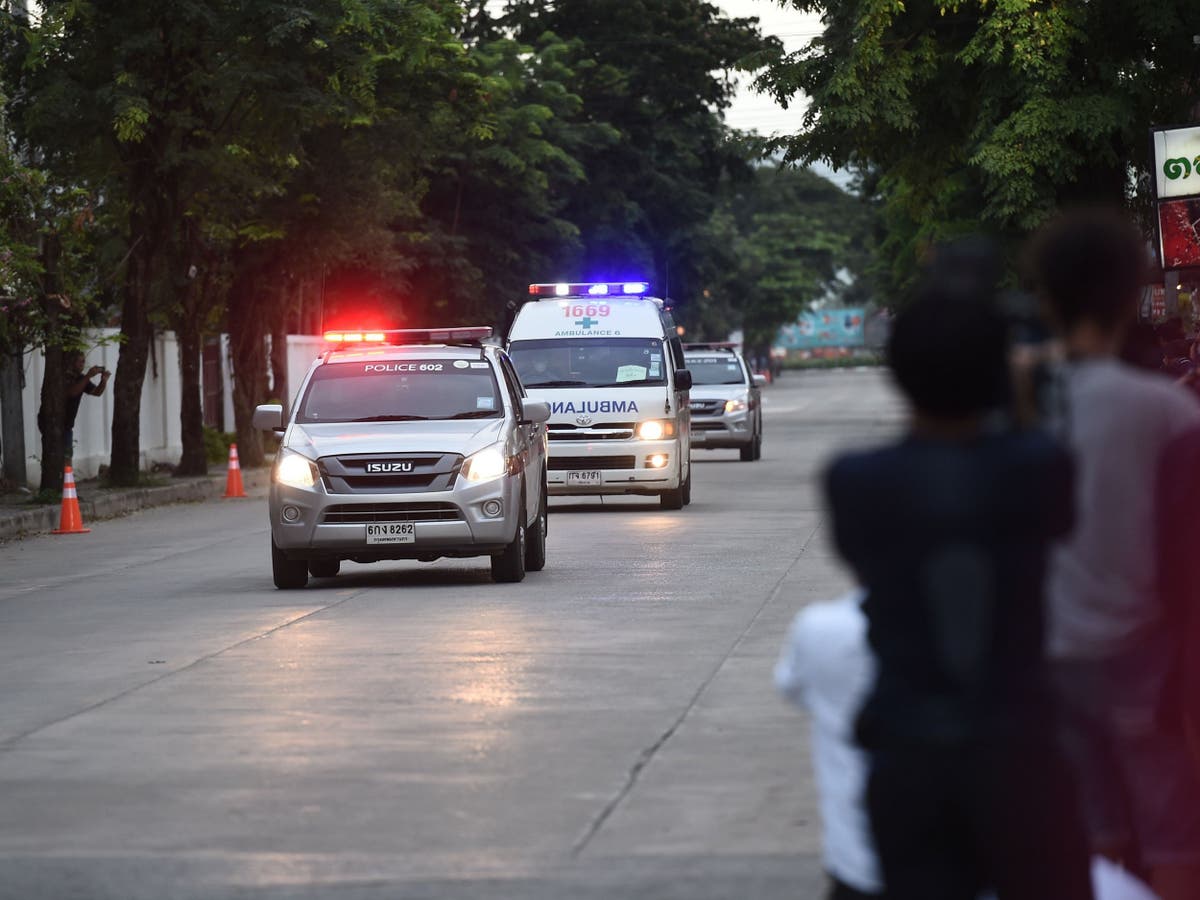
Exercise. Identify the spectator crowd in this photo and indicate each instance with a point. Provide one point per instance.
(1003, 707)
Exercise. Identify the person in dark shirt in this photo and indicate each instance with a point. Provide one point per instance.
(77, 383)
(948, 530)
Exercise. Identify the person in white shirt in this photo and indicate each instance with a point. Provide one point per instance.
(826, 668)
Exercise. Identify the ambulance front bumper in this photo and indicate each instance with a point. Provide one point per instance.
(632, 467)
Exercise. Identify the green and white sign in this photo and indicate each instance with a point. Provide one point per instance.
(1177, 162)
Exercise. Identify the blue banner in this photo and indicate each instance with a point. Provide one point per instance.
(824, 328)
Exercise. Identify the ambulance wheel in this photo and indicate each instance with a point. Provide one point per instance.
(289, 574)
(508, 566)
(687, 488)
(324, 568)
(672, 499)
(535, 539)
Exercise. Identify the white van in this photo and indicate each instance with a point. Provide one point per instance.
(607, 359)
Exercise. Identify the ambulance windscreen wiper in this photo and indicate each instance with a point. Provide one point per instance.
(562, 382)
(392, 418)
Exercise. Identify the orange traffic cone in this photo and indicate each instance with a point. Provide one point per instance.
(233, 479)
(70, 520)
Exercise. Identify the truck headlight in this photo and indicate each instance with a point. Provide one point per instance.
(736, 405)
(655, 429)
(487, 465)
(295, 470)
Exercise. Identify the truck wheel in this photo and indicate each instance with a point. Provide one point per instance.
(535, 540)
(687, 488)
(324, 568)
(289, 574)
(509, 565)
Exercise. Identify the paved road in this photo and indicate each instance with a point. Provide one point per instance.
(172, 726)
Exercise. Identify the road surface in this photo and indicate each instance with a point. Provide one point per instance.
(171, 726)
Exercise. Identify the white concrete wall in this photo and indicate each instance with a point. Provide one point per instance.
(160, 428)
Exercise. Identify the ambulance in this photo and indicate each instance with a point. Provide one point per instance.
(607, 359)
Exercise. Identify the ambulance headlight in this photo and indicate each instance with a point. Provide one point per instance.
(736, 405)
(655, 429)
(295, 470)
(487, 465)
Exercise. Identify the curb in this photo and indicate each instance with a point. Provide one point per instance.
(109, 504)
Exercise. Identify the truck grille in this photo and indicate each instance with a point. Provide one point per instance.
(408, 472)
(707, 407)
(560, 463)
(600, 431)
(362, 513)
(707, 426)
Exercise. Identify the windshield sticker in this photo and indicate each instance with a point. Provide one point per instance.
(631, 373)
(485, 402)
(479, 365)
(461, 364)
(654, 367)
(571, 407)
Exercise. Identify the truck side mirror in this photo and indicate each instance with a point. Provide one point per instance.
(683, 380)
(268, 417)
(534, 411)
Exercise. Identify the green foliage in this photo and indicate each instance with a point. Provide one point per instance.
(987, 114)
(785, 238)
(652, 82)
(217, 443)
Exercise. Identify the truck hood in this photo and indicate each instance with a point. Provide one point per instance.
(719, 391)
(335, 439)
(600, 405)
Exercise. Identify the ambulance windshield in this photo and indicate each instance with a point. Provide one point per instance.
(608, 362)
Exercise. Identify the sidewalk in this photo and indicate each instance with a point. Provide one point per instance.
(19, 518)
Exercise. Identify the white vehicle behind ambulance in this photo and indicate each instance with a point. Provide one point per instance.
(608, 361)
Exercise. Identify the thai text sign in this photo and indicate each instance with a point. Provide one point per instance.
(1177, 162)
(824, 328)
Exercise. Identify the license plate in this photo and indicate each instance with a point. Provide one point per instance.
(392, 533)
(583, 479)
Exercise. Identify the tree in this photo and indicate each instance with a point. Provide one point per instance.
(190, 118)
(494, 215)
(791, 238)
(657, 77)
(971, 114)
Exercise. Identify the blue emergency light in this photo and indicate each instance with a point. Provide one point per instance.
(590, 289)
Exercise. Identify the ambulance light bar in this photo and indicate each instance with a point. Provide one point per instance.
(590, 289)
(400, 336)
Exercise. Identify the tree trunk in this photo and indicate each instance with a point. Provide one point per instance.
(126, 463)
(249, 365)
(194, 460)
(53, 400)
(12, 425)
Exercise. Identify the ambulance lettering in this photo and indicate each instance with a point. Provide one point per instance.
(573, 407)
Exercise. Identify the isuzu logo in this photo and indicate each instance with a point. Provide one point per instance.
(385, 467)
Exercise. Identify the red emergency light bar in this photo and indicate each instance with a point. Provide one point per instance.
(590, 289)
(401, 336)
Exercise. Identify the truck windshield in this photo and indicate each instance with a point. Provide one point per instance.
(405, 390)
(589, 362)
(715, 370)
